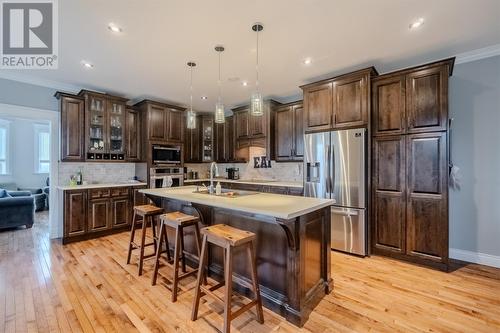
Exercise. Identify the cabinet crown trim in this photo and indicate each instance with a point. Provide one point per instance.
(450, 62)
(369, 70)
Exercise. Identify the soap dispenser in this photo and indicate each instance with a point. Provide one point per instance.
(218, 189)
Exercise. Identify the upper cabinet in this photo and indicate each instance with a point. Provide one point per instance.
(225, 141)
(72, 127)
(133, 135)
(289, 132)
(105, 127)
(339, 102)
(192, 143)
(411, 101)
(254, 131)
(162, 122)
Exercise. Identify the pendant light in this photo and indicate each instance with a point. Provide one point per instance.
(256, 103)
(191, 115)
(219, 106)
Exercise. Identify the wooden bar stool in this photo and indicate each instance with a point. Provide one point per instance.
(179, 221)
(228, 238)
(147, 213)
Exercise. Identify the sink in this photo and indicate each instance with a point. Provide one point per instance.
(226, 193)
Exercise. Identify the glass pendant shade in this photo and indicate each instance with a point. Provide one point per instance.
(191, 119)
(219, 113)
(256, 104)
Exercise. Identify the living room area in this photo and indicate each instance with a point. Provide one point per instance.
(25, 161)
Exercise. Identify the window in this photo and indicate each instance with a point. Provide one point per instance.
(42, 149)
(4, 147)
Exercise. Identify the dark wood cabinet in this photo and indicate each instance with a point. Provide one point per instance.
(389, 191)
(389, 105)
(98, 215)
(192, 143)
(120, 211)
(72, 127)
(224, 141)
(241, 116)
(339, 102)
(411, 101)
(427, 99)
(254, 131)
(133, 135)
(207, 138)
(427, 196)
(289, 133)
(75, 213)
(175, 125)
(96, 212)
(162, 122)
(318, 106)
(410, 164)
(351, 100)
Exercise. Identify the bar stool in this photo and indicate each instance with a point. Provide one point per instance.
(147, 213)
(179, 221)
(228, 238)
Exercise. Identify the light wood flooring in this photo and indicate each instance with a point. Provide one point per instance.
(86, 287)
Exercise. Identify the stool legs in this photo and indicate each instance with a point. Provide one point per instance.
(163, 236)
(130, 243)
(256, 289)
(228, 277)
(201, 274)
(177, 251)
(143, 241)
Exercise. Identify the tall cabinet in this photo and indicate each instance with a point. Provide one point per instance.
(410, 164)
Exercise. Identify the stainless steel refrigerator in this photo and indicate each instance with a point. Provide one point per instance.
(335, 167)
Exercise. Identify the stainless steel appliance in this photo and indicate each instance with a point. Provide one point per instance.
(166, 154)
(233, 173)
(335, 167)
(165, 177)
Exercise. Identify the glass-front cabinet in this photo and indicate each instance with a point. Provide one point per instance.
(207, 138)
(105, 126)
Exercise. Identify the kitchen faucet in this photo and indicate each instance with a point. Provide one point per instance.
(212, 166)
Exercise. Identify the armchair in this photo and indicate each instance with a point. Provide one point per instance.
(16, 208)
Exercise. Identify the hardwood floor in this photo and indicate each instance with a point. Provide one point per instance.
(86, 287)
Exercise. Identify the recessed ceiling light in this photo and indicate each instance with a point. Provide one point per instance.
(417, 23)
(114, 28)
(87, 64)
(307, 61)
(204, 97)
(244, 83)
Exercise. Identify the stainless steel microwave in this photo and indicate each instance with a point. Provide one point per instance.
(166, 154)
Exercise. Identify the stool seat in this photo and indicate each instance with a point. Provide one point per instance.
(147, 210)
(224, 235)
(178, 218)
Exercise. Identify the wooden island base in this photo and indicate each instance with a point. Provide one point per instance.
(293, 256)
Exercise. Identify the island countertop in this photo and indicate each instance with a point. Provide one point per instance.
(274, 205)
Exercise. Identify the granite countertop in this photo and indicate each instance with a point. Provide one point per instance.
(91, 186)
(268, 204)
(253, 182)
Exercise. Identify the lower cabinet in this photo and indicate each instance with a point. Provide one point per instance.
(97, 212)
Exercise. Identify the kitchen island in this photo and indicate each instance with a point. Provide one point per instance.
(293, 243)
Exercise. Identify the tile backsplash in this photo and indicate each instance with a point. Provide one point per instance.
(94, 172)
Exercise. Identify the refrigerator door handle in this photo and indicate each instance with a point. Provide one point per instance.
(328, 162)
(345, 212)
(332, 175)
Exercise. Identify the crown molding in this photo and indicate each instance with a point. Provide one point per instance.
(29, 79)
(483, 53)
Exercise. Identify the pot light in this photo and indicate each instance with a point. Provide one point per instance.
(307, 61)
(244, 83)
(87, 64)
(114, 28)
(417, 23)
(204, 97)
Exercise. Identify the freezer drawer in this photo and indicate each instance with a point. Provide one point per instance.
(349, 230)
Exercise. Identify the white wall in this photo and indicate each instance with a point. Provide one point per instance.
(475, 209)
(22, 154)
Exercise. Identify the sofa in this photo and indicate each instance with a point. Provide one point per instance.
(38, 195)
(17, 208)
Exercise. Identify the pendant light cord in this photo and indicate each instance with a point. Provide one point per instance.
(220, 82)
(191, 90)
(257, 62)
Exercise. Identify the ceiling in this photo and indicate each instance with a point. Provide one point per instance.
(148, 59)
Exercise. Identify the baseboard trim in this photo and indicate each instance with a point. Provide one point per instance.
(475, 257)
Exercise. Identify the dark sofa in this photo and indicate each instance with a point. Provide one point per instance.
(38, 194)
(17, 208)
